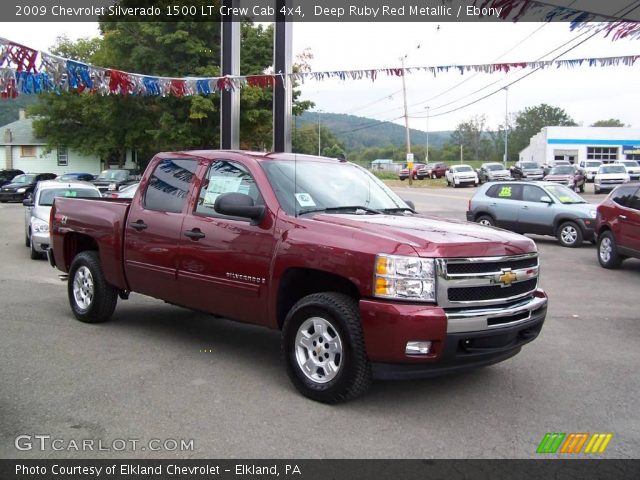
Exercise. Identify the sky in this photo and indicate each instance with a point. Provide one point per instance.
(586, 93)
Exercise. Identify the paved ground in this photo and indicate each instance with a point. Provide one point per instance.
(145, 376)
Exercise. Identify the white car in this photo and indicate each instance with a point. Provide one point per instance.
(459, 175)
(632, 166)
(609, 176)
(38, 208)
(590, 168)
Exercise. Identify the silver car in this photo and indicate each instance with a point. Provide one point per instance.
(543, 208)
(38, 208)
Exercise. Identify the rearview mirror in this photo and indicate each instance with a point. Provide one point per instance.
(546, 199)
(27, 202)
(236, 204)
(411, 205)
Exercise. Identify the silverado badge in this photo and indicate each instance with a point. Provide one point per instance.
(507, 278)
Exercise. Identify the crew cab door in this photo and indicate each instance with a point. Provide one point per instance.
(224, 261)
(504, 204)
(630, 223)
(154, 228)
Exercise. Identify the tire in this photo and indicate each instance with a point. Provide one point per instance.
(91, 298)
(582, 188)
(596, 190)
(608, 255)
(453, 184)
(486, 220)
(434, 176)
(569, 235)
(35, 255)
(27, 240)
(344, 372)
(402, 179)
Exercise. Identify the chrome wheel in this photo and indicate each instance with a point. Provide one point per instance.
(605, 250)
(318, 350)
(83, 288)
(569, 235)
(485, 222)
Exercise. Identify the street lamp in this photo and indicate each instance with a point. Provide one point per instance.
(506, 124)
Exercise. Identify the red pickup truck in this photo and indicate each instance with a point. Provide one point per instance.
(360, 285)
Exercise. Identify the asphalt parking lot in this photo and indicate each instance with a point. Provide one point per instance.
(162, 372)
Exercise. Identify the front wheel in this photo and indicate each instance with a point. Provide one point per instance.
(92, 299)
(486, 220)
(33, 253)
(323, 347)
(570, 235)
(608, 255)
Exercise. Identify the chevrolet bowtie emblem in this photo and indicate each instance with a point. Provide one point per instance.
(507, 278)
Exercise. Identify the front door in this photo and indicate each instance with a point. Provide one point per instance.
(534, 215)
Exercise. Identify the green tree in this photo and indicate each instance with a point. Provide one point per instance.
(305, 140)
(612, 122)
(469, 135)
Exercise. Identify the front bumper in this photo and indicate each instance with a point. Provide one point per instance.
(460, 338)
(41, 242)
(533, 176)
(588, 226)
(11, 196)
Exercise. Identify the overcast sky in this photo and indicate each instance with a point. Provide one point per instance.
(587, 93)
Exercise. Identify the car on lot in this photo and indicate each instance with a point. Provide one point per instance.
(632, 167)
(461, 175)
(542, 208)
(22, 186)
(609, 176)
(527, 170)
(114, 179)
(492, 171)
(567, 175)
(618, 225)
(432, 170)
(404, 173)
(7, 175)
(38, 208)
(127, 192)
(76, 177)
(590, 168)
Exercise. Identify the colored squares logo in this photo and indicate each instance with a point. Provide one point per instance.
(574, 443)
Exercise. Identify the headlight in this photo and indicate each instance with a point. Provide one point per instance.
(38, 226)
(593, 213)
(406, 278)
(21, 190)
(113, 186)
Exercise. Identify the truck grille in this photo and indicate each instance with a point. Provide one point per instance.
(483, 281)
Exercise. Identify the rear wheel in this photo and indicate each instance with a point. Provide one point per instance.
(92, 299)
(608, 255)
(27, 240)
(324, 350)
(486, 220)
(570, 235)
(34, 254)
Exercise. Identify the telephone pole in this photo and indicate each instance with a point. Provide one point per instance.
(406, 122)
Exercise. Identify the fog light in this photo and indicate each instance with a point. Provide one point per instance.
(418, 348)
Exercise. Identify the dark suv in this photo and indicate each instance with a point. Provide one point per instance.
(527, 170)
(22, 186)
(433, 170)
(7, 175)
(114, 179)
(618, 225)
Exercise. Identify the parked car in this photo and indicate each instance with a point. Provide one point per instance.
(461, 175)
(22, 186)
(126, 192)
(404, 173)
(590, 168)
(491, 171)
(567, 175)
(527, 170)
(114, 179)
(433, 170)
(38, 208)
(609, 176)
(542, 208)
(618, 226)
(76, 177)
(632, 167)
(7, 175)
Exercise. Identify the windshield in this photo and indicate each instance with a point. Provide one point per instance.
(24, 178)
(594, 164)
(322, 185)
(612, 169)
(464, 168)
(530, 165)
(494, 167)
(116, 175)
(47, 196)
(562, 170)
(564, 194)
(629, 163)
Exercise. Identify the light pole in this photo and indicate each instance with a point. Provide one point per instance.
(506, 124)
(406, 121)
(319, 132)
(427, 156)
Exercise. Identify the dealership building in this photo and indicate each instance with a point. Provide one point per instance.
(606, 144)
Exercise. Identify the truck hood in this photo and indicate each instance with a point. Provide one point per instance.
(558, 178)
(431, 236)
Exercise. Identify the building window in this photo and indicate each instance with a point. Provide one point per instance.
(606, 154)
(27, 151)
(633, 156)
(63, 157)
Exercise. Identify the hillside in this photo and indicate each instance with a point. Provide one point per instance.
(359, 132)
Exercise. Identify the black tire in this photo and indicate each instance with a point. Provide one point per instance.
(486, 220)
(607, 243)
(434, 176)
(35, 255)
(102, 302)
(27, 240)
(582, 188)
(569, 235)
(341, 319)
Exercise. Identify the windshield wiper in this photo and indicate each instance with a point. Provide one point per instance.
(398, 209)
(356, 209)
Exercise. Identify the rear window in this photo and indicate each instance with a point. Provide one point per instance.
(622, 195)
(168, 185)
(47, 196)
(505, 191)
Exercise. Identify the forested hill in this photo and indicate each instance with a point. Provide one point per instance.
(359, 132)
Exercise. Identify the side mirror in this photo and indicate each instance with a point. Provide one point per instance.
(236, 204)
(546, 199)
(28, 202)
(411, 205)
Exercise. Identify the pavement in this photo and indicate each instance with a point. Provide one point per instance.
(162, 372)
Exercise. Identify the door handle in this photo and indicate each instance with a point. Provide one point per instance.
(194, 234)
(139, 225)
(492, 204)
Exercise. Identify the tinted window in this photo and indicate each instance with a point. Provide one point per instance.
(532, 194)
(507, 192)
(635, 201)
(225, 177)
(168, 185)
(529, 165)
(47, 196)
(622, 195)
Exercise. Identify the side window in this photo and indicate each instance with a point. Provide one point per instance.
(225, 177)
(623, 196)
(505, 191)
(532, 194)
(168, 185)
(634, 202)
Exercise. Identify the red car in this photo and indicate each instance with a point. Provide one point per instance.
(618, 225)
(432, 170)
(404, 173)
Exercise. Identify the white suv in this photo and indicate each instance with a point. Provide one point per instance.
(590, 168)
(459, 175)
(632, 167)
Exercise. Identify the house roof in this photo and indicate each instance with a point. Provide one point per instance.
(21, 133)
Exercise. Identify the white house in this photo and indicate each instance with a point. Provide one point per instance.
(20, 149)
(583, 143)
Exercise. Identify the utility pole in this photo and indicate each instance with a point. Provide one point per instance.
(319, 132)
(506, 124)
(460, 153)
(427, 157)
(406, 121)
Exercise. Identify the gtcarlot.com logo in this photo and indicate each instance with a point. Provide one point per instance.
(574, 443)
(48, 443)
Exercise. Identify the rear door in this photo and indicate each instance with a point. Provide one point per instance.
(504, 204)
(630, 223)
(154, 226)
(224, 261)
(534, 216)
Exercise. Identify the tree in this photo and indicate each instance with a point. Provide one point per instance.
(612, 122)
(530, 121)
(305, 140)
(469, 135)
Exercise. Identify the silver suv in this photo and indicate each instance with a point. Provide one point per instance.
(542, 208)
